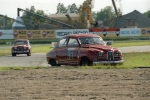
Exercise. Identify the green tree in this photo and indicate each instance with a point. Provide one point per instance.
(70, 9)
(32, 9)
(61, 8)
(73, 8)
(9, 24)
(5, 23)
(1, 22)
(147, 14)
(41, 13)
(104, 14)
(26, 15)
(33, 18)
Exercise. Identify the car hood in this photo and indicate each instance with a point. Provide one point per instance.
(98, 46)
(20, 45)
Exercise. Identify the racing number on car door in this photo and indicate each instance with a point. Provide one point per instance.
(70, 54)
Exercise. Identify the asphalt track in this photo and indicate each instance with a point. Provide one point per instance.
(39, 59)
(36, 59)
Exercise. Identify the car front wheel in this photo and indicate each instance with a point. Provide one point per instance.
(13, 54)
(53, 62)
(29, 54)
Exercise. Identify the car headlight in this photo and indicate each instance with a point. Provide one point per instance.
(117, 53)
(100, 53)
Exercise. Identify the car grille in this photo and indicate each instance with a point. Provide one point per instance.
(19, 48)
(110, 55)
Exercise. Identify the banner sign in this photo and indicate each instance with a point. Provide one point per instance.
(98, 31)
(130, 32)
(102, 32)
(50, 33)
(61, 33)
(145, 31)
(108, 32)
(6, 34)
(34, 34)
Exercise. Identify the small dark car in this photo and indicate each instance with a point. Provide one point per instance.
(83, 49)
(21, 46)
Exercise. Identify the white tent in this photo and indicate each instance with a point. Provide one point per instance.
(17, 25)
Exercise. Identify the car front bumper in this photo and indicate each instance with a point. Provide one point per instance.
(108, 62)
(20, 52)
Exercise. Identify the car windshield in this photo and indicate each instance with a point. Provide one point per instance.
(20, 42)
(91, 40)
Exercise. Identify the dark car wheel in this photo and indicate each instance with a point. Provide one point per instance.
(29, 54)
(53, 62)
(85, 62)
(13, 54)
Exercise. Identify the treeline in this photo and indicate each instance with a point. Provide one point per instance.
(147, 14)
(101, 15)
(5, 24)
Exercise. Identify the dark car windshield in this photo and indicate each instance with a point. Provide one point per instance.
(91, 40)
(20, 42)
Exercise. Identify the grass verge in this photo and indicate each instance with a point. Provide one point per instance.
(4, 52)
(131, 60)
(130, 43)
(35, 49)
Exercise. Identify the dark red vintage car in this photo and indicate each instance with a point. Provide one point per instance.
(83, 49)
(21, 46)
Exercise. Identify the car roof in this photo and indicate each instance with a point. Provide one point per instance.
(82, 35)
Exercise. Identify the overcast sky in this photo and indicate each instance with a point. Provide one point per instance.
(9, 7)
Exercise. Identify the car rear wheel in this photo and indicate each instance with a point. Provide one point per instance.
(53, 62)
(85, 62)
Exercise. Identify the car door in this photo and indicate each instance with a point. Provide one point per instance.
(72, 51)
(61, 51)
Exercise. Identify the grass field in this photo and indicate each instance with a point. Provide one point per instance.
(130, 43)
(35, 49)
(135, 59)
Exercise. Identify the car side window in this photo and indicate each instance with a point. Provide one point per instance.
(84, 40)
(62, 42)
(73, 42)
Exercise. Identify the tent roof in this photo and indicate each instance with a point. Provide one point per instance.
(16, 24)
